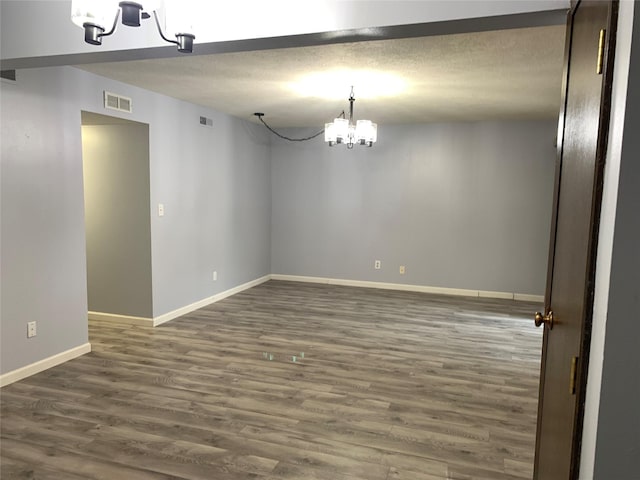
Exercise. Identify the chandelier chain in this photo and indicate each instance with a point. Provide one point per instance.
(284, 137)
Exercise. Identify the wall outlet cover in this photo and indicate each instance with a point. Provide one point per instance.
(31, 329)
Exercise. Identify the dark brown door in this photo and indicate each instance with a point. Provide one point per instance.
(570, 282)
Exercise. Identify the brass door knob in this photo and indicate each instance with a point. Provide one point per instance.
(547, 319)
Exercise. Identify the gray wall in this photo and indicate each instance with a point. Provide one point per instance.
(618, 434)
(116, 197)
(215, 185)
(462, 205)
(42, 222)
(214, 182)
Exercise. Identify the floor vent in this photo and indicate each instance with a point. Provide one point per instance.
(117, 102)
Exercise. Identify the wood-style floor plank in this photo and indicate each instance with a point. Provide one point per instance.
(289, 381)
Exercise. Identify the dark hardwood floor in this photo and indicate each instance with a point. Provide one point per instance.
(289, 381)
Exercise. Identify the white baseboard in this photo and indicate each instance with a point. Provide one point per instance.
(54, 360)
(410, 288)
(43, 364)
(159, 320)
(491, 294)
(525, 297)
(208, 301)
(126, 319)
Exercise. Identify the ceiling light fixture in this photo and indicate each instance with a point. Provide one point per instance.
(342, 130)
(94, 16)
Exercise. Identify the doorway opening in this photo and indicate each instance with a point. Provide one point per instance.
(115, 161)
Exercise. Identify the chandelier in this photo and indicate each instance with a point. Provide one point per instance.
(94, 17)
(342, 130)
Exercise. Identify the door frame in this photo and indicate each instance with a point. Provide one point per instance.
(105, 119)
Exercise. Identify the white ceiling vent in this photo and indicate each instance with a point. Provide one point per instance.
(8, 75)
(113, 101)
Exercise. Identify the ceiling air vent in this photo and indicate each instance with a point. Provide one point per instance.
(117, 102)
(8, 75)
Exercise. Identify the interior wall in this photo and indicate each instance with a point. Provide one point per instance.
(465, 205)
(43, 275)
(116, 197)
(618, 432)
(214, 181)
(606, 239)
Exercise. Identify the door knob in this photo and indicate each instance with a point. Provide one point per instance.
(546, 319)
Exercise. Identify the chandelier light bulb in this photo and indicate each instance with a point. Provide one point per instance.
(330, 133)
(99, 14)
(366, 132)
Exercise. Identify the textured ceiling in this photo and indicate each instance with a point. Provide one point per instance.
(506, 74)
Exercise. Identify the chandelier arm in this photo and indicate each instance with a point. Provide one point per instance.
(113, 28)
(260, 115)
(175, 42)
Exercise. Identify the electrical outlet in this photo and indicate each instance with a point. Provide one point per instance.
(161, 210)
(215, 276)
(31, 329)
(377, 265)
(401, 269)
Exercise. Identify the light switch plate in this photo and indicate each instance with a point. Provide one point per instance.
(31, 329)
